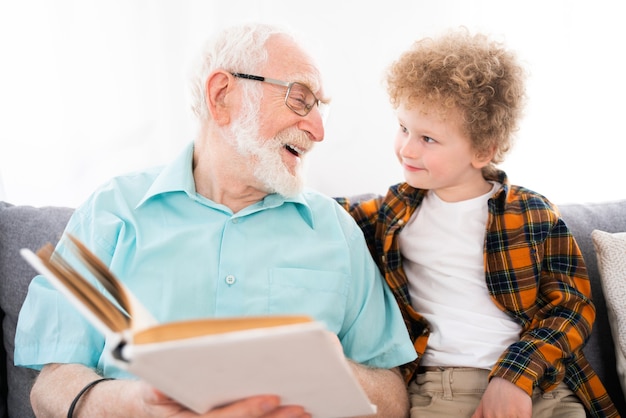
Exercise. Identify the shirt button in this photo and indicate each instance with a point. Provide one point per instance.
(236, 221)
(230, 279)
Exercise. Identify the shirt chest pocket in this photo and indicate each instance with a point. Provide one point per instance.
(317, 293)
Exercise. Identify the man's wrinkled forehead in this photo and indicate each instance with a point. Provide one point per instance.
(290, 62)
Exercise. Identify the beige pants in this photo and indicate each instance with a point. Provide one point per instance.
(456, 392)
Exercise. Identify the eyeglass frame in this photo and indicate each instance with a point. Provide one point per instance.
(307, 108)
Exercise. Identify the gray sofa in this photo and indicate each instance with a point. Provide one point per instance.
(30, 227)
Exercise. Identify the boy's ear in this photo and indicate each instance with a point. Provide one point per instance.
(219, 97)
(483, 158)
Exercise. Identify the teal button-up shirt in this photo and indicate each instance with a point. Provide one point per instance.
(185, 256)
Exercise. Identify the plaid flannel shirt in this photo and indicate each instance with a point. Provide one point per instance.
(534, 271)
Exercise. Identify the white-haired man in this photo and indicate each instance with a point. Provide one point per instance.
(225, 229)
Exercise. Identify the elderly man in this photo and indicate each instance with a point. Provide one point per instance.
(225, 229)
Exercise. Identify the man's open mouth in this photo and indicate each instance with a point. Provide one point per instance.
(292, 150)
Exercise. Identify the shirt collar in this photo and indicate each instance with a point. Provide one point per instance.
(174, 177)
(177, 176)
(501, 177)
(275, 200)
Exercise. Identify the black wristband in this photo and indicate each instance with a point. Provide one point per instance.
(70, 412)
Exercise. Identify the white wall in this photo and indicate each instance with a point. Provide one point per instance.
(94, 88)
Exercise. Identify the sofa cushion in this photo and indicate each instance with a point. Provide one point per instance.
(21, 227)
(611, 254)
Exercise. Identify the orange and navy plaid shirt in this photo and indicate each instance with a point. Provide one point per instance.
(534, 271)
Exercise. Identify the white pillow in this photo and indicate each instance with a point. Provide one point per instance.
(611, 254)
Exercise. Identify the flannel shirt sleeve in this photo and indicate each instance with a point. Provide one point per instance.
(364, 210)
(552, 297)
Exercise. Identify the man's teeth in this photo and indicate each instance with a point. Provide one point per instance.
(293, 150)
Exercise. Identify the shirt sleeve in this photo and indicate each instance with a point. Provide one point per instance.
(374, 332)
(50, 328)
(557, 312)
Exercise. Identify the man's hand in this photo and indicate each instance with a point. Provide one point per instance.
(503, 399)
(265, 406)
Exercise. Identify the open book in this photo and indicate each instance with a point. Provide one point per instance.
(206, 363)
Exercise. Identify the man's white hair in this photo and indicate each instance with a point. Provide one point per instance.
(236, 49)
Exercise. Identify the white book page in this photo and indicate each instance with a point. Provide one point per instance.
(303, 364)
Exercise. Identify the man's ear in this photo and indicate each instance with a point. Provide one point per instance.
(219, 100)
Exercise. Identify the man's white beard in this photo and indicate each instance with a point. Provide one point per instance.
(269, 167)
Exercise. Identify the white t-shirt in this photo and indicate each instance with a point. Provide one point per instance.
(442, 248)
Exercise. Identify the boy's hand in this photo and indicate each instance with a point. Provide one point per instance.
(503, 399)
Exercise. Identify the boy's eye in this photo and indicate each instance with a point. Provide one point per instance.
(403, 129)
(428, 139)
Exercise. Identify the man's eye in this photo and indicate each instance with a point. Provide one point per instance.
(297, 100)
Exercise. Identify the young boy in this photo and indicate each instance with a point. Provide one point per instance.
(491, 282)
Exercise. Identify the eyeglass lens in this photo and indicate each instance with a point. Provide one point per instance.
(300, 99)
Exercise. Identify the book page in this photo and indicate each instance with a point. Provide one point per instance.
(100, 272)
(96, 308)
(302, 363)
(209, 326)
(86, 297)
(140, 318)
(82, 290)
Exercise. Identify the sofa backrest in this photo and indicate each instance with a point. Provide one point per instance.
(600, 349)
(20, 227)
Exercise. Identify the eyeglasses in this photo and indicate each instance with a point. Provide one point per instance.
(299, 98)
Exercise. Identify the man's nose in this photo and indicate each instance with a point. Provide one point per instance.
(313, 124)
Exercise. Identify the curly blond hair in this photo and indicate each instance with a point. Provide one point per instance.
(476, 76)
